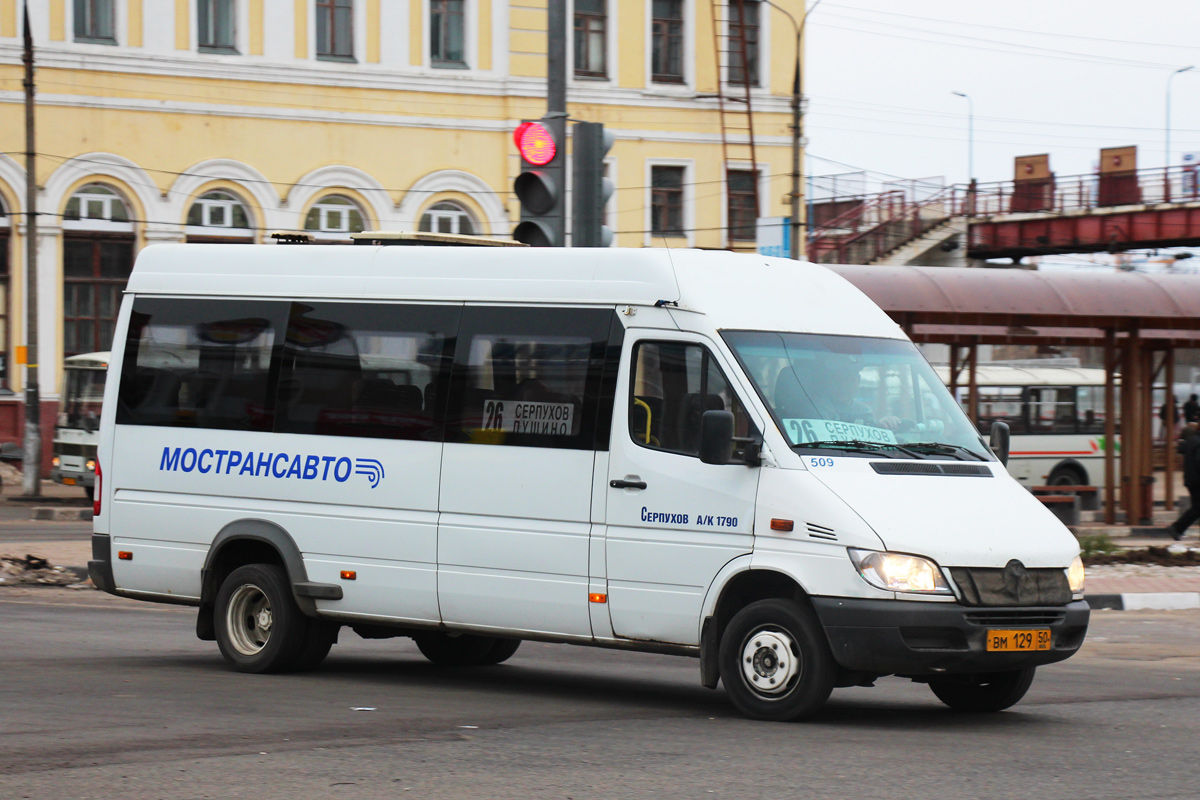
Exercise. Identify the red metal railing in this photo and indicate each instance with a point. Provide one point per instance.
(878, 225)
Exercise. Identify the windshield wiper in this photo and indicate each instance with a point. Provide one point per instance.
(859, 446)
(942, 447)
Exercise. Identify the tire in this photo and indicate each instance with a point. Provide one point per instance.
(1066, 475)
(259, 627)
(984, 692)
(775, 661)
(501, 651)
(318, 641)
(463, 650)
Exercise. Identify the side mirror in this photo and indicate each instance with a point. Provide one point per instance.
(1000, 441)
(716, 437)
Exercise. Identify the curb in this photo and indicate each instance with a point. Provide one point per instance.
(1135, 601)
(59, 514)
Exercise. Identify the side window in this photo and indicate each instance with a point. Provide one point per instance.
(1052, 410)
(367, 370)
(673, 384)
(531, 377)
(201, 364)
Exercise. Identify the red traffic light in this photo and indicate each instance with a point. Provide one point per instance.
(535, 143)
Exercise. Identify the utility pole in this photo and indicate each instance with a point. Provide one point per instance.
(32, 466)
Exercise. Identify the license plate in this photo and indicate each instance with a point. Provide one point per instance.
(1002, 641)
(69, 481)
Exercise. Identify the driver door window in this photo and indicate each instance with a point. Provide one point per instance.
(674, 383)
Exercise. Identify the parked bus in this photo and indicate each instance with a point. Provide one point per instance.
(77, 430)
(1056, 416)
(641, 449)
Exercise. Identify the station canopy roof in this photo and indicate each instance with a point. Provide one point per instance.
(959, 305)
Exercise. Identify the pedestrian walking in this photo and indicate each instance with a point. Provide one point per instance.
(1191, 410)
(1190, 447)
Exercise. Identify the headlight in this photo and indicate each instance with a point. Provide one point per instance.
(90, 465)
(899, 572)
(54, 462)
(1075, 575)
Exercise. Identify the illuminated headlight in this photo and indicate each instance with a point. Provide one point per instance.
(1075, 575)
(899, 572)
(54, 462)
(91, 465)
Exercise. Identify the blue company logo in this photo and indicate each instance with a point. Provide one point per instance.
(301, 466)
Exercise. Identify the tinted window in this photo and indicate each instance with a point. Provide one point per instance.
(356, 369)
(673, 384)
(201, 363)
(530, 377)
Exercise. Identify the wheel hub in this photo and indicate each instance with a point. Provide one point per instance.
(769, 662)
(249, 619)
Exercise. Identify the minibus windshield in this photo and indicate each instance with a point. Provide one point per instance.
(82, 396)
(856, 395)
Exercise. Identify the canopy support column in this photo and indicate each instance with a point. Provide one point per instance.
(1110, 427)
(1169, 433)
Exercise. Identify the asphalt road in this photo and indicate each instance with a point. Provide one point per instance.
(103, 697)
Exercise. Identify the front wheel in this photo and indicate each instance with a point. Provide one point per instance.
(993, 691)
(775, 661)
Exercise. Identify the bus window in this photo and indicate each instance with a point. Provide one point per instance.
(998, 404)
(1052, 409)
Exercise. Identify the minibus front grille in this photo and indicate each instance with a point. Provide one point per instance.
(1014, 585)
(81, 450)
(821, 532)
(995, 618)
(906, 468)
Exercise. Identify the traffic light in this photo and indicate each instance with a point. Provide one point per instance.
(542, 183)
(590, 143)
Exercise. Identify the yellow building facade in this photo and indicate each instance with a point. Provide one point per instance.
(224, 120)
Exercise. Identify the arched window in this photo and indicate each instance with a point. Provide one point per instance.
(218, 216)
(448, 218)
(98, 246)
(334, 217)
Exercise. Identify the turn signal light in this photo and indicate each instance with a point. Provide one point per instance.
(597, 597)
(782, 525)
(125, 555)
(349, 575)
(96, 492)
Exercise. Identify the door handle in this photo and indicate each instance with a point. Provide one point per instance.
(627, 484)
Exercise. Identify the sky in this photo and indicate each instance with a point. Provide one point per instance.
(1064, 77)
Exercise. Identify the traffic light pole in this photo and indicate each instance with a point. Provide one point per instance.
(556, 59)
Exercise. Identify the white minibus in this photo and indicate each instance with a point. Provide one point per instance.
(655, 450)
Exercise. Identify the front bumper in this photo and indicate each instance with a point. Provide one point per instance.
(905, 637)
(83, 479)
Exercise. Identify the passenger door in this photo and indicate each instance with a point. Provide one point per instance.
(673, 521)
(517, 468)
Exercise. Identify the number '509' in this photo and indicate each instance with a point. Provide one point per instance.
(821, 462)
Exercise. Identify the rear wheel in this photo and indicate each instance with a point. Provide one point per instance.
(455, 650)
(259, 627)
(775, 661)
(994, 691)
(1066, 475)
(501, 651)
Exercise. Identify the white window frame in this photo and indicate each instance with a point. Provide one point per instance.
(764, 51)
(120, 24)
(611, 54)
(764, 186)
(470, 38)
(358, 46)
(227, 230)
(689, 50)
(455, 216)
(241, 29)
(323, 230)
(102, 223)
(689, 199)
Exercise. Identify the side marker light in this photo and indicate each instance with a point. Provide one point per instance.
(597, 597)
(125, 555)
(349, 575)
(782, 525)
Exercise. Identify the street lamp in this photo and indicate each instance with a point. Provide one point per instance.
(797, 122)
(970, 134)
(1171, 77)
